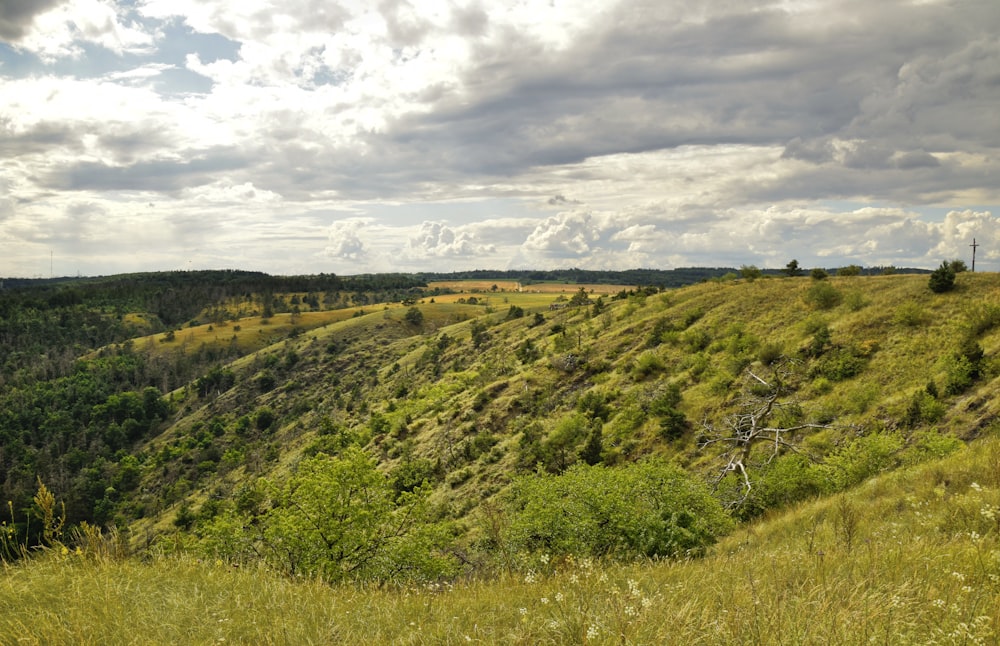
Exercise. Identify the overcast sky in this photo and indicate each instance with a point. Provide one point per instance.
(307, 136)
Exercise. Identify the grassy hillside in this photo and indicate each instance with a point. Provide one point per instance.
(501, 442)
(911, 557)
(476, 393)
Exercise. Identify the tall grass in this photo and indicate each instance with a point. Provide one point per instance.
(911, 557)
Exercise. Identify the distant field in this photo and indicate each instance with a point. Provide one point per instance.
(484, 286)
(252, 333)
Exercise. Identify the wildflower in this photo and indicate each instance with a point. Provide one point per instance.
(64, 551)
(544, 600)
(630, 611)
(958, 575)
(522, 611)
(938, 603)
(975, 487)
(78, 551)
(592, 632)
(559, 597)
(529, 577)
(573, 578)
(544, 558)
(967, 589)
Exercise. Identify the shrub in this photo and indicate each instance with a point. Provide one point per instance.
(840, 364)
(823, 296)
(339, 518)
(862, 458)
(647, 509)
(649, 363)
(942, 279)
(910, 315)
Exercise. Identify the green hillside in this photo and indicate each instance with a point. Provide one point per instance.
(480, 438)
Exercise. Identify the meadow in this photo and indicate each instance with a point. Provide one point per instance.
(909, 557)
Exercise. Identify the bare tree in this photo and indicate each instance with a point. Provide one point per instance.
(752, 436)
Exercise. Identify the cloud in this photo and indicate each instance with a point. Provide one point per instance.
(16, 16)
(569, 234)
(436, 239)
(64, 29)
(345, 241)
(656, 132)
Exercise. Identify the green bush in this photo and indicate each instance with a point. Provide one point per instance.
(840, 364)
(339, 519)
(823, 296)
(942, 279)
(862, 458)
(647, 509)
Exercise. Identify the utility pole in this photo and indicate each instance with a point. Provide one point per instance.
(973, 245)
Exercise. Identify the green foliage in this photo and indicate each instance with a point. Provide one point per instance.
(924, 408)
(839, 364)
(750, 272)
(647, 509)
(785, 480)
(579, 299)
(862, 458)
(942, 279)
(850, 270)
(648, 364)
(910, 314)
(515, 312)
(817, 273)
(341, 519)
(982, 318)
(560, 445)
(414, 316)
(823, 296)
(792, 269)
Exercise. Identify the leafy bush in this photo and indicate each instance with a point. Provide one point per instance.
(862, 458)
(339, 519)
(823, 296)
(840, 364)
(649, 363)
(650, 509)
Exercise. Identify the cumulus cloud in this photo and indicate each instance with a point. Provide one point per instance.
(436, 239)
(568, 234)
(345, 242)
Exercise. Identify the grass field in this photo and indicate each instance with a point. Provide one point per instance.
(910, 557)
(484, 286)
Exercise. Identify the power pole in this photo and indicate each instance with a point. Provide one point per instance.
(973, 245)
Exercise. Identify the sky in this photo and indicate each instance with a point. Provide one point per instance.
(309, 136)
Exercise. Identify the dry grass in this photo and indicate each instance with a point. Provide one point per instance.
(909, 558)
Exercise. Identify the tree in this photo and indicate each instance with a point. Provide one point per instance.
(579, 298)
(754, 435)
(792, 268)
(942, 279)
(818, 273)
(750, 272)
(849, 270)
(414, 317)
